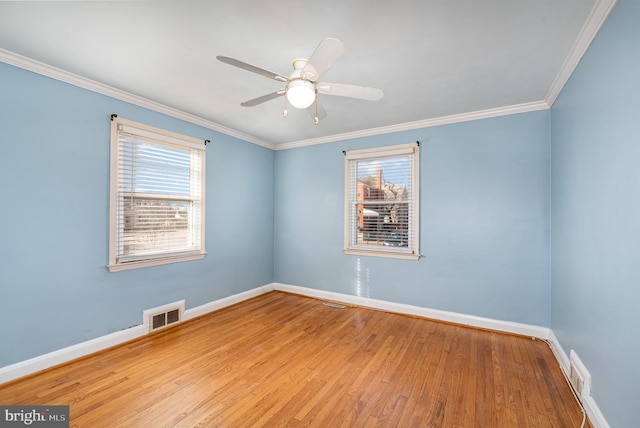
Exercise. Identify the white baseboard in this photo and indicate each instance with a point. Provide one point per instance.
(51, 359)
(54, 358)
(561, 356)
(42, 362)
(453, 317)
(593, 411)
(226, 301)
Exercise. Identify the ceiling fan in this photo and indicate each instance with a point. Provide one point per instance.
(302, 86)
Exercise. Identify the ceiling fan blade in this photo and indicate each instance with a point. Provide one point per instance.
(323, 57)
(351, 91)
(252, 68)
(262, 99)
(316, 110)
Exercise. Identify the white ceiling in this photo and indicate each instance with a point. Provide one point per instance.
(432, 58)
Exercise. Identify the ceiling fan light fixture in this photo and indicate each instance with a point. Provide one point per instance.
(301, 93)
(302, 86)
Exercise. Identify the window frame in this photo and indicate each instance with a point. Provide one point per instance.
(160, 138)
(350, 203)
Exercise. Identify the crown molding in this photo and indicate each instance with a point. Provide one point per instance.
(598, 15)
(47, 70)
(38, 67)
(596, 18)
(445, 120)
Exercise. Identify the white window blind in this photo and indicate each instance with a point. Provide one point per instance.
(157, 196)
(381, 201)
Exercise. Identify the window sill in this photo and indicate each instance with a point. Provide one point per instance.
(153, 262)
(385, 254)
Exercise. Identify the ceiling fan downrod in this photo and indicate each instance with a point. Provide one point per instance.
(302, 86)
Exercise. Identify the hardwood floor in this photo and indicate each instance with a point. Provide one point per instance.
(287, 360)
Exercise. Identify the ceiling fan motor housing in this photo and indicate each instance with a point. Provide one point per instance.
(302, 86)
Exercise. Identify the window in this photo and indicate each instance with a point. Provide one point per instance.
(157, 196)
(381, 202)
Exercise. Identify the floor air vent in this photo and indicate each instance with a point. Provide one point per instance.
(334, 305)
(163, 316)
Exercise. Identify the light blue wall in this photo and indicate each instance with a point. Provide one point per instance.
(595, 214)
(54, 172)
(484, 221)
(485, 192)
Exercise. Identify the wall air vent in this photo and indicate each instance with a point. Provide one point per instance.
(579, 377)
(163, 316)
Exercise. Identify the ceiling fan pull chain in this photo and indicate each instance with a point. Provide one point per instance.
(285, 113)
(315, 118)
(302, 87)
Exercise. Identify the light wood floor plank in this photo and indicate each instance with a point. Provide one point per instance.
(281, 360)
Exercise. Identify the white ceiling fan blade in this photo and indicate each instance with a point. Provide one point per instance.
(317, 111)
(262, 99)
(326, 53)
(351, 91)
(252, 68)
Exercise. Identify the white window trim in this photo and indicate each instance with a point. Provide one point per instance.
(163, 136)
(378, 152)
